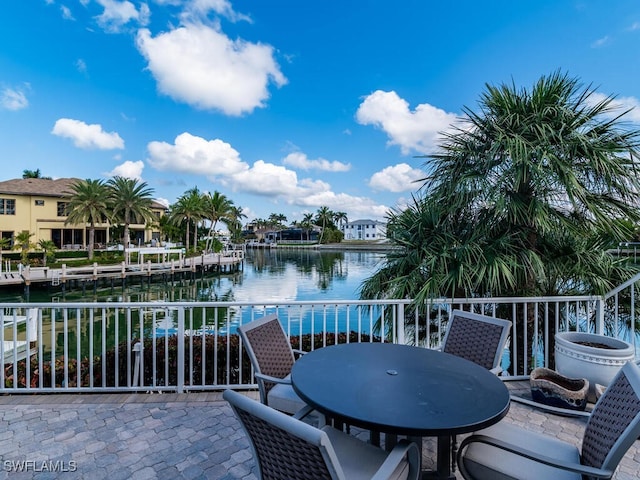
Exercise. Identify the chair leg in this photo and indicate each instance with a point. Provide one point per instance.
(454, 452)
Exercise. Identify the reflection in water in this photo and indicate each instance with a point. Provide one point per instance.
(268, 275)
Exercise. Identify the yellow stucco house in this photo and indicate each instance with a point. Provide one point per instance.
(39, 206)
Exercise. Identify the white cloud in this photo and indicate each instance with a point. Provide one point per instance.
(619, 105)
(81, 66)
(301, 161)
(221, 163)
(87, 136)
(13, 99)
(601, 42)
(198, 9)
(416, 130)
(202, 67)
(128, 169)
(196, 155)
(66, 13)
(396, 178)
(117, 14)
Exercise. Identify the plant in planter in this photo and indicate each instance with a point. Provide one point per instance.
(594, 357)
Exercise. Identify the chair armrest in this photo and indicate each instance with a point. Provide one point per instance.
(297, 353)
(403, 449)
(269, 378)
(531, 455)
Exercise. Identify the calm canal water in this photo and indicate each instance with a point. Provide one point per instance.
(269, 275)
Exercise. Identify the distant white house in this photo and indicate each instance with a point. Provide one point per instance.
(364, 230)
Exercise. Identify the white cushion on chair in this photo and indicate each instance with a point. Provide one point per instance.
(493, 463)
(359, 460)
(284, 398)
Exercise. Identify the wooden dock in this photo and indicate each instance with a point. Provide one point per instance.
(69, 276)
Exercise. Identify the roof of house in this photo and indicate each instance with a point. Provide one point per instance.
(44, 187)
(60, 187)
(365, 221)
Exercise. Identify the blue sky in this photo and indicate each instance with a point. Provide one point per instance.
(284, 105)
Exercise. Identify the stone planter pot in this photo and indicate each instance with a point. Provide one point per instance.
(551, 388)
(594, 357)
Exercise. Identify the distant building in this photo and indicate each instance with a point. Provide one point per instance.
(364, 230)
(39, 206)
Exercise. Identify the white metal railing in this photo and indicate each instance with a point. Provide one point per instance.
(180, 346)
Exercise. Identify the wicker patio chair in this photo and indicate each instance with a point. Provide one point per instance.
(272, 357)
(505, 451)
(478, 338)
(286, 448)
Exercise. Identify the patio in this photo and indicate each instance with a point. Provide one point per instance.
(170, 435)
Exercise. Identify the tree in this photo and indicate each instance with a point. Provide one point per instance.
(324, 217)
(130, 201)
(4, 244)
(234, 223)
(341, 218)
(23, 243)
(34, 174)
(188, 208)
(48, 248)
(89, 204)
(307, 222)
(217, 207)
(518, 197)
(522, 199)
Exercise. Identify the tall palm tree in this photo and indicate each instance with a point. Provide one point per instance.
(521, 200)
(341, 218)
(324, 217)
(89, 204)
(217, 207)
(188, 208)
(234, 222)
(519, 196)
(307, 222)
(130, 201)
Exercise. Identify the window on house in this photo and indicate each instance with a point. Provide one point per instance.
(62, 209)
(7, 206)
(39, 203)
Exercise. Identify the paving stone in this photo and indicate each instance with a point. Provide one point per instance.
(173, 436)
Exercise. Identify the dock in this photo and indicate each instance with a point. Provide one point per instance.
(64, 277)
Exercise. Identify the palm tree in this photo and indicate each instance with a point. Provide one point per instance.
(34, 174)
(188, 208)
(4, 244)
(234, 222)
(341, 218)
(89, 204)
(519, 196)
(130, 201)
(47, 247)
(307, 222)
(217, 207)
(521, 200)
(23, 243)
(324, 217)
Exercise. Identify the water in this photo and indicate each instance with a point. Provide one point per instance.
(270, 276)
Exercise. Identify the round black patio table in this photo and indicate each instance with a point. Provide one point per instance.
(402, 390)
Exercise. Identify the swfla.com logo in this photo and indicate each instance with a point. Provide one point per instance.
(39, 466)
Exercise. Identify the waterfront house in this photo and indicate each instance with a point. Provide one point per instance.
(371, 230)
(39, 206)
